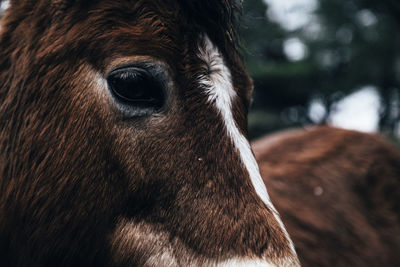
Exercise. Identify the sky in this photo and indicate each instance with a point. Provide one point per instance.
(4, 5)
(291, 14)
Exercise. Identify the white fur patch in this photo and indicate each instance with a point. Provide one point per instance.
(162, 251)
(219, 88)
(245, 263)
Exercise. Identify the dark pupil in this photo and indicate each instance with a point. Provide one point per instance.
(136, 86)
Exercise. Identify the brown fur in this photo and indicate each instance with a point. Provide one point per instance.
(338, 193)
(75, 173)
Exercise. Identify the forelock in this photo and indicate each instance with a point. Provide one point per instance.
(216, 18)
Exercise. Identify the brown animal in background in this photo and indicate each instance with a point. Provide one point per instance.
(123, 142)
(338, 193)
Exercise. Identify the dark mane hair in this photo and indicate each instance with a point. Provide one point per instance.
(218, 19)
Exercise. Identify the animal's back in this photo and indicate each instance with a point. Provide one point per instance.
(338, 193)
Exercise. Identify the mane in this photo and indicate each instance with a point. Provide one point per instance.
(217, 19)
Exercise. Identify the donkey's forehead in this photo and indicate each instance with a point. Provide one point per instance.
(176, 20)
(214, 17)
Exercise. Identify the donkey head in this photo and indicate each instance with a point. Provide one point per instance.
(123, 138)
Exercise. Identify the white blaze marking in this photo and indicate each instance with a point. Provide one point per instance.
(219, 88)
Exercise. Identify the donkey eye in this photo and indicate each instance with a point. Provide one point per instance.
(138, 89)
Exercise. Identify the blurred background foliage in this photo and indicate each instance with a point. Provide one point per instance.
(311, 59)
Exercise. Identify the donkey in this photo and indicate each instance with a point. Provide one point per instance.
(123, 138)
(338, 193)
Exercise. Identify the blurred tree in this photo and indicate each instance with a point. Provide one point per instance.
(361, 36)
(276, 79)
(349, 45)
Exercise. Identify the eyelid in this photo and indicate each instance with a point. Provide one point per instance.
(124, 62)
(139, 89)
